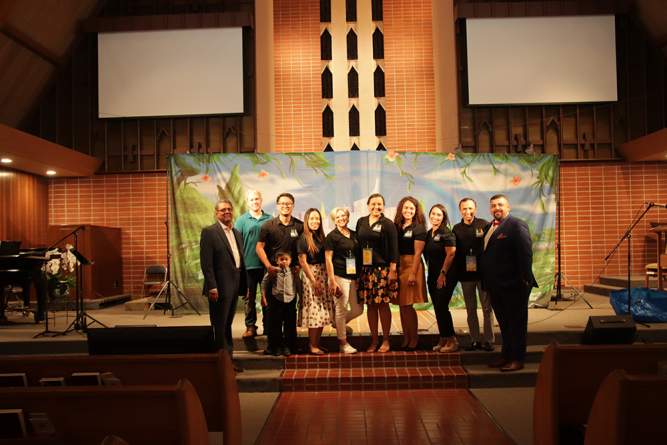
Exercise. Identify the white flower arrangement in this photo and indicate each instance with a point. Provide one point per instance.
(60, 271)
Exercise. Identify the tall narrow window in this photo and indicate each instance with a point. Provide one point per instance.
(354, 121)
(327, 123)
(325, 11)
(352, 83)
(351, 10)
(325, 45)
(327, 84)
(380, 121)
(352, 45)
(376, 10)
(378, 44)
(378, 82)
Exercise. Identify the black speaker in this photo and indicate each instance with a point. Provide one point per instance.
(151, 340)
(609, 330)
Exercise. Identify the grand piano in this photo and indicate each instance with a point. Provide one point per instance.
(22, 268)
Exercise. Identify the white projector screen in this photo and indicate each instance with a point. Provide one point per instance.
(170, 73)
(541, 60)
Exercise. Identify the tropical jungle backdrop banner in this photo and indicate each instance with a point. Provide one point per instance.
(326, 180)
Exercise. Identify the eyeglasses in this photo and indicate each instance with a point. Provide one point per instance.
(225, 210)
(285, 204)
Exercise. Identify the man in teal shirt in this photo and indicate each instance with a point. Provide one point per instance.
(249, 224)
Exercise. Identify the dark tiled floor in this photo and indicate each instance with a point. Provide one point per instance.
(381, 417)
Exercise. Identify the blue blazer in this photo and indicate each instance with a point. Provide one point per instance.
(507, 261)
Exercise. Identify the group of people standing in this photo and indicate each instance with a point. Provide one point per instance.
(377, 264)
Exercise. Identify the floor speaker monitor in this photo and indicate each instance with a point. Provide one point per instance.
(609, 330)
(151, 340)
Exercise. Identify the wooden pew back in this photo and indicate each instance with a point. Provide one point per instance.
(212, 376)
(570, 376)
(147, 414)
(629, 410)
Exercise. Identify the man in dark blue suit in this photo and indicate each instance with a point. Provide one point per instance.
(223, 266)
(507, 274)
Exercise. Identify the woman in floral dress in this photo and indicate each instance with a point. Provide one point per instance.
(317, 308)
(377, 283)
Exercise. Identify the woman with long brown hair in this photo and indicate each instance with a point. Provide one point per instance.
(410, 227)
(439, 253)
(317, 308)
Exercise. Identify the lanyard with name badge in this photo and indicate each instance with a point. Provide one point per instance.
(471, 262)
(350, 264)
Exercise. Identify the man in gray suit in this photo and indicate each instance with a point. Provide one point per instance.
(223, 266)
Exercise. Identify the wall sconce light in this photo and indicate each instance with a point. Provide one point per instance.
(459, 149)
(530, 150)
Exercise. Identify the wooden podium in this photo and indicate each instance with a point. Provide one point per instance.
(101, 246)
(661, 232)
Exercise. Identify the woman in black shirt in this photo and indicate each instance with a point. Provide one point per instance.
(341, 252)
(377, 283)
(439, 253)
(316, 309)
(410, 223)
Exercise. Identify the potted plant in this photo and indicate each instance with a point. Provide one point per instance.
(60, 272)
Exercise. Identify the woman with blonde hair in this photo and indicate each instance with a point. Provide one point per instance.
(410, 226)
(342, 255)
(317, 308)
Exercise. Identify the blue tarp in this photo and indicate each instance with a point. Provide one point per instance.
(648, 305)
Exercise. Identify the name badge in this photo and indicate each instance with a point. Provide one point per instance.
(377, 228)
(351, 266)
(408, 234)
(471, 263)
(436, 237)
(479, 233)
(293, 233)
(368, 256)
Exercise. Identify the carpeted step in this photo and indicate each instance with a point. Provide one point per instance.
(259, 380)
(481, 376)
(374, 379)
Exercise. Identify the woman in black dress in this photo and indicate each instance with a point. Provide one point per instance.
(439, 253)
(377, 283)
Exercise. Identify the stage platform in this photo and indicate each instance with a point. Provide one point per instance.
(563, 321)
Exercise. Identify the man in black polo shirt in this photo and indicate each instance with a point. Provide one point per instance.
(275, 235)
(469, 247)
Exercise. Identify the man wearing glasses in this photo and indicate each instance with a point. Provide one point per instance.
(280, 234)
(223, 266)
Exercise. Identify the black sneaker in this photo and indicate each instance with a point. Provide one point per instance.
(474, 346)
(286, 352)
(488, 346)
(271, 351)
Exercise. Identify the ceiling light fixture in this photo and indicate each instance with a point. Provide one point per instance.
(5, 160)
(50, 172)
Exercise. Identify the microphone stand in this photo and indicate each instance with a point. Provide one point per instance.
(628, 236)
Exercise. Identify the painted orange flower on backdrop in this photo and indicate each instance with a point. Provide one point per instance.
(515, 181)
(206, 178)
(263, 174)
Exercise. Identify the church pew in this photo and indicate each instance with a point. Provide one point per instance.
(146, 414)
(212, 376)
(629, 410)
(570, 376)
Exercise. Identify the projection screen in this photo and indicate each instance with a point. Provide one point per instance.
(170, 73)
(541, 60)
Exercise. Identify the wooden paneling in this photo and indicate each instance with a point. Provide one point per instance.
(24, 203)
(102, 246)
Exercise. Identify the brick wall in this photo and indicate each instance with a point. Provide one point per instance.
(410, 78)
(298, 93)
(134, 202)
(599, 202)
